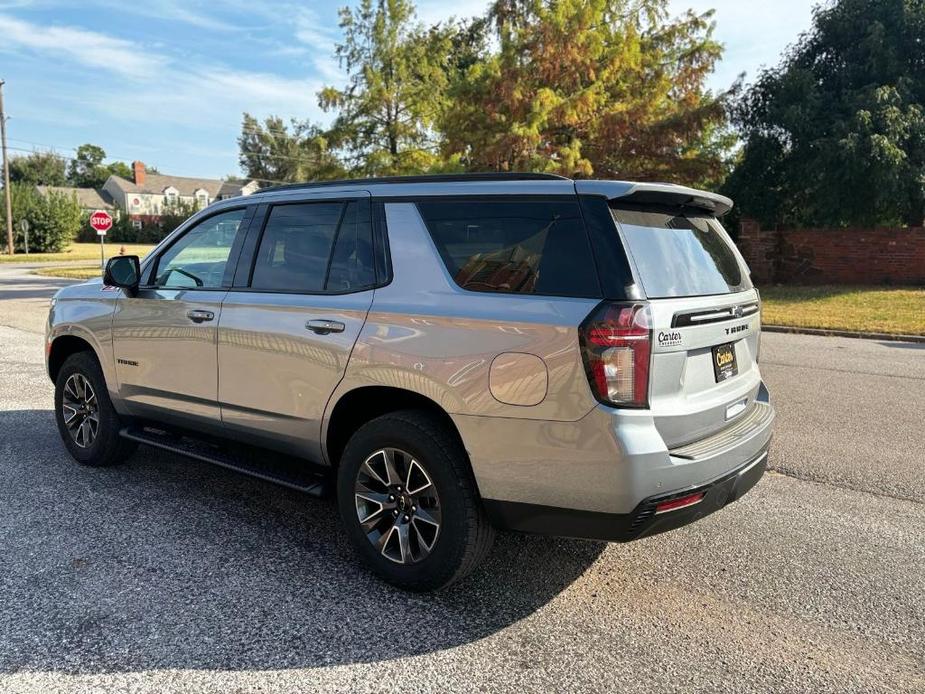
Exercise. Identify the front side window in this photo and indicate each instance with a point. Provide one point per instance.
(199, 258)
(315, 247)
(521, 247)
(680, 254)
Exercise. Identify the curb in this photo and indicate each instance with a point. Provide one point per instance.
(842, 333)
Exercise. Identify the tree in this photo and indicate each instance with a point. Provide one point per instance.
(87, 170)
(174, 213)
(54, 218)
(120, 168)
(836, 134)
(396, 89)
(272, 153)
(39, 169)
(610, 88)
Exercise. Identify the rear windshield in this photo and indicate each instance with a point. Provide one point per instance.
(680, 254)
(514, 246)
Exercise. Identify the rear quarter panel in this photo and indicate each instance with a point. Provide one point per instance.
(427, 335)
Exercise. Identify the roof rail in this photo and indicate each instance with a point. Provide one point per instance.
(425, 178)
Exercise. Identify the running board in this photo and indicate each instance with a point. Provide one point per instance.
(270, 467)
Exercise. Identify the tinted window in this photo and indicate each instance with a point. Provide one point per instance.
(525, 247)
(680, 254)
(295, 252)
(295, 247)
(199, 258)
(352, 260)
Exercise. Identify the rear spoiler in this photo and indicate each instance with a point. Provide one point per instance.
(660, 193)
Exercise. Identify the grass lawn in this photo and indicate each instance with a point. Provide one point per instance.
(72, 273)
(79, 251)
(899, 310)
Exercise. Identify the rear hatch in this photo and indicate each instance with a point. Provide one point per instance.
(704, 317)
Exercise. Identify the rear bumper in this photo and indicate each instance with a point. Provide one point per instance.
(602, 476)
(643, 521)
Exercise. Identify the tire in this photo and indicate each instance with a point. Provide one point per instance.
(421, 443)
(97, 447)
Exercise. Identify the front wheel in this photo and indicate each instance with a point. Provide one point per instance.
(409, 502)
(87, 421)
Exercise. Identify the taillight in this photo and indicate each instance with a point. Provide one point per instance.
(616, 342)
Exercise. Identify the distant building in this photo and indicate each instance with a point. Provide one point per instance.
(89, 199)
(148, 196)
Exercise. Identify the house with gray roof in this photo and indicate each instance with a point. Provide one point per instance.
(147, 196)
(89, 199)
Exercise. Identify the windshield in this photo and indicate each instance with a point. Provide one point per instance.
(680, 253)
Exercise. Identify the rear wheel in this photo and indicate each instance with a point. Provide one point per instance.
(87, 421)
(409, 502)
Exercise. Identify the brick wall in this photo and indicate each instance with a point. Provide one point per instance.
(834, 256)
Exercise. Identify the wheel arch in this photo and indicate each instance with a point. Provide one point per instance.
(363, 404)
(62, 347)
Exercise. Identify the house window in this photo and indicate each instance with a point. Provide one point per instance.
(202, 199)
(136, 224)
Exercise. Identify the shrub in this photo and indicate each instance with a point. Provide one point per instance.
(124, 231)
(54, 219)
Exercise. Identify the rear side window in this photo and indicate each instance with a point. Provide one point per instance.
(521, 247)
(680, 254)
(314, 247)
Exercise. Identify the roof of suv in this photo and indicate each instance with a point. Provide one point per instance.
(506, 183)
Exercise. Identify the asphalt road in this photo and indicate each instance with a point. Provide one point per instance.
(165, 575)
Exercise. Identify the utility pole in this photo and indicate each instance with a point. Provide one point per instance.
(6, 176)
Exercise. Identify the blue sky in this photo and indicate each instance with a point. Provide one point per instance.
(166, 81)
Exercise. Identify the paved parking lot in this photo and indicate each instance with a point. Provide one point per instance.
(165, 575)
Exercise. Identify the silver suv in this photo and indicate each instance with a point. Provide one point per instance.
(452, 354)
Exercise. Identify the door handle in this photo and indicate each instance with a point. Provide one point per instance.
(324, 327)
(199, 316)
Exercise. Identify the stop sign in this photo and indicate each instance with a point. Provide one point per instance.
(101, 221)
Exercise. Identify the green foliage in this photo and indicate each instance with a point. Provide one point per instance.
(610, 88)
(124, 230)
(397, 82)
(39, 169)
(836, 134)
(120, 168)
(86, 169)
(54, 219)
(271, 152)
(173, 214)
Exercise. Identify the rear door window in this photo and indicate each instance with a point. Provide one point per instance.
(314, 247)
(680, 254)
(514, 246)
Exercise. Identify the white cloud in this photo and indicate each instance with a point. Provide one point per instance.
(171, 11)
(156, 85)
(88, 48)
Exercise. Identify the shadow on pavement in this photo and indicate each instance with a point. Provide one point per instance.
(167, 563)
(902, 345)
(23, 285)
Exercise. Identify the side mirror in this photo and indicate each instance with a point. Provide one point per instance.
(123, 271)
